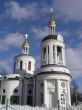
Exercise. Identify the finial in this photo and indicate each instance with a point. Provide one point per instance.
(25, 45)
(52, 23)
(26, 35)
(52, 15)
(51, 10)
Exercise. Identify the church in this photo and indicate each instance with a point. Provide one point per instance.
(47, 86)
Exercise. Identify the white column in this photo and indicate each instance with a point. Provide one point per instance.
(58, 91)
(63, 56)
(68, 92)
(45, 93)
(55, 54)
(51, 54)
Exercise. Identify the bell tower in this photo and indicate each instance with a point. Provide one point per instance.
(52, 46)
(53, 73)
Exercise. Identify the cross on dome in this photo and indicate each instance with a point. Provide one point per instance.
(52, 24)
(26, 35)
(51, 9)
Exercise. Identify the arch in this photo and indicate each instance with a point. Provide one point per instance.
(29, 65)
(21, 63)
(14, 65)
(59, 54)
(44, 53)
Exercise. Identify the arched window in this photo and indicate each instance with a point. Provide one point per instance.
(21, 62)
(14, 65)
(44, 53)
(29, 65)
(59, 54)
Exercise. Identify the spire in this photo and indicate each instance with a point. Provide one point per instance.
(52, 23)
(25, 45)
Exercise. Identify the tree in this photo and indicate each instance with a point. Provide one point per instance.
(74, 92)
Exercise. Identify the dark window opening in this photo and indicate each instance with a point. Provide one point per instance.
(14, 100)
(3, 90)
(21, 63)
(15, 91)
(53, 52)
(14, 65)
(44, 53)
(41, 98)
(3, 99)
(59, 53)
(41, 84)
(29, 91)
(29, 100)
(29, 65)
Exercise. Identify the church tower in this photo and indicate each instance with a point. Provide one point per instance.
(53, 78)
(24, 63)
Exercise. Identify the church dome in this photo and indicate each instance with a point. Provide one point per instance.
(54, 37)
(25, 44)
(50, 37)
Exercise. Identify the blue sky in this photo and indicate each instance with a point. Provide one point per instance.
(18, 17)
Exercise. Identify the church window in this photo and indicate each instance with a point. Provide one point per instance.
(48, 53)
(14, 100)
(14, 65)
(29, 65)
(59, 53)
(29, 100)
(41, 98)
(53, 51)
(3, 99)
(44, 53)
(29, 91)
(3, 90)
(15, 91)
(26, 50)
(21, 63)
(30, 94)
(41, 84)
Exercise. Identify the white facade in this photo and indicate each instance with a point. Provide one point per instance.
(49, 86)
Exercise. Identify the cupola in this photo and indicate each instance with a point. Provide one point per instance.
(25, 46)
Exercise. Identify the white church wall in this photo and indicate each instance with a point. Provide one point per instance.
(52, 92)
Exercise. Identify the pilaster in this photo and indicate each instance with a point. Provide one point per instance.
(45, 93)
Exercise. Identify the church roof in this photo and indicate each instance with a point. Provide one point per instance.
(50, 37)
(53, 72)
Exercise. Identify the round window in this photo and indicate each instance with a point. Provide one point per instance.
(15, 91)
